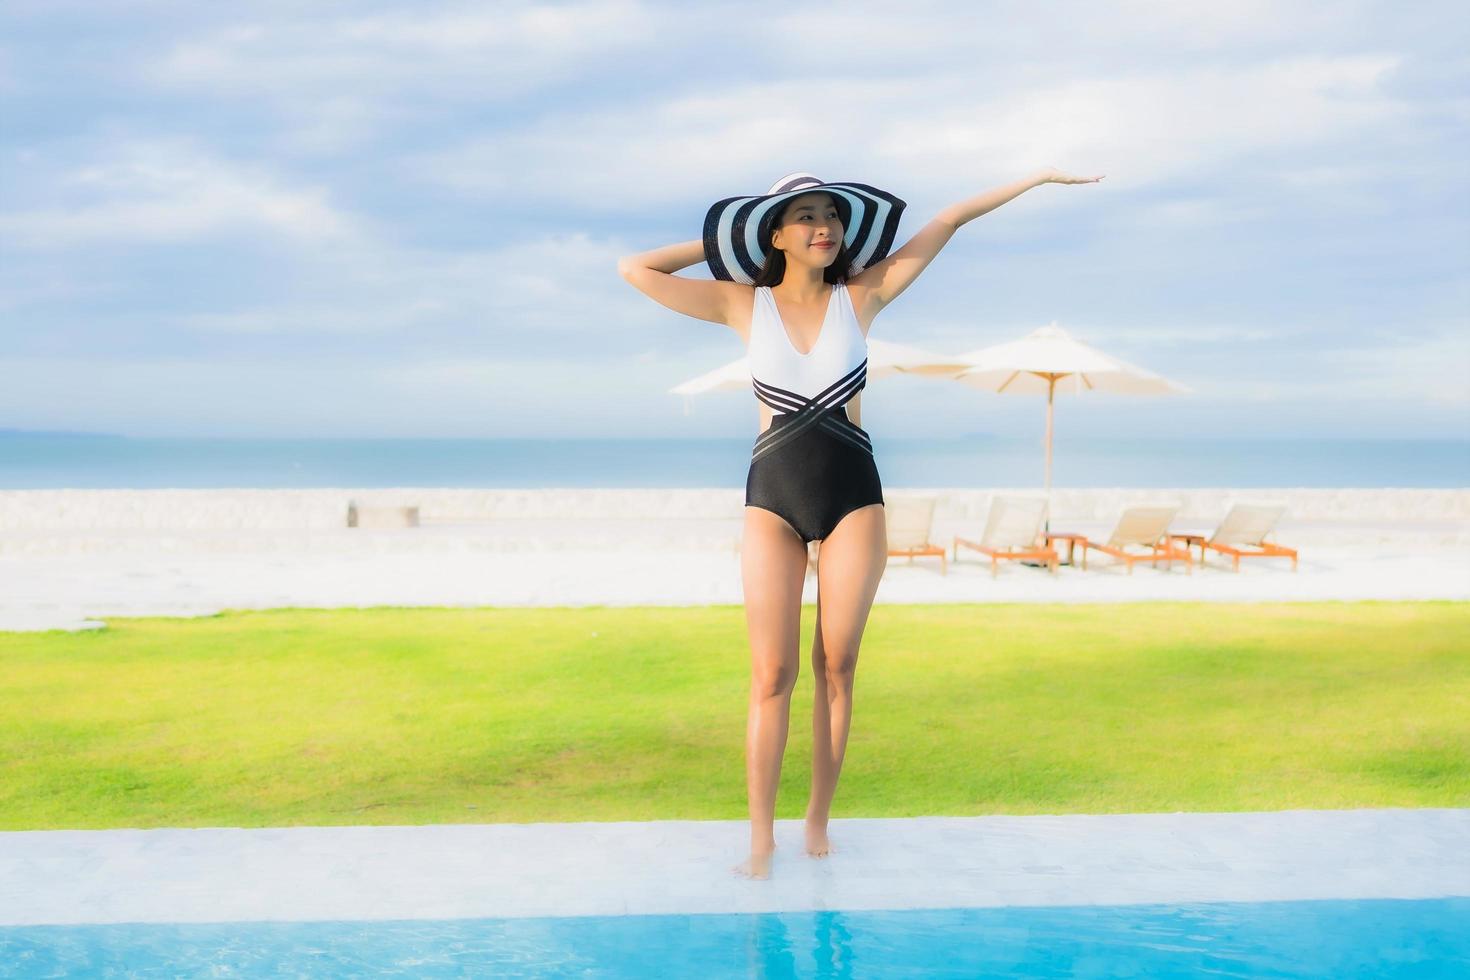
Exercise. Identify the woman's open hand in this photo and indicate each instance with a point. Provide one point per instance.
(1051, 175)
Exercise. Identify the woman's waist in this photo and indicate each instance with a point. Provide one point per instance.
(813, 419)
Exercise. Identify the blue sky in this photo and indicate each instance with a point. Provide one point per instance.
(295, 219)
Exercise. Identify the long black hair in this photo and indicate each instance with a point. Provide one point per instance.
(774, 269)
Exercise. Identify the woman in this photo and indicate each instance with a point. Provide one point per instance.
(800, 273)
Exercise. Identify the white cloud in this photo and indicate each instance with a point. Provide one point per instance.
(928, 31)
(1142, 126)
(502, 49)
(435, 396)
(927, 131)
(1260, 149)
(337, 80)
(1433, 368)
(1430, 369)
(555, 295)
(338, 317)
(1140, 338)
(170, 190)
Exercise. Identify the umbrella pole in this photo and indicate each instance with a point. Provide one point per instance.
(1051, 387)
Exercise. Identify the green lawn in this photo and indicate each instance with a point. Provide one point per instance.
(410, 716)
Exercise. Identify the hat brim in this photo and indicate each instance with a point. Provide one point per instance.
(732, 245)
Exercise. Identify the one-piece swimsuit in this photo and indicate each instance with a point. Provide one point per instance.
(813, 465)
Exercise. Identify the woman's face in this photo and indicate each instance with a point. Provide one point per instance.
(810, 231)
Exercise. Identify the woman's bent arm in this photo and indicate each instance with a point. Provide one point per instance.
(670, 258)
(886, 279)
(652, 273)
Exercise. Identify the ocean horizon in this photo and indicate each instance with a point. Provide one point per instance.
(95, 461)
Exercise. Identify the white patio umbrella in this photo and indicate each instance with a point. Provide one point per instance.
(884, 360)
(1035, 363)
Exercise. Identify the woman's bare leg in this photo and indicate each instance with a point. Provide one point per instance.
(773, 570)
(850, 564)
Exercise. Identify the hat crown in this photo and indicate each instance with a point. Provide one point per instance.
(793, 182)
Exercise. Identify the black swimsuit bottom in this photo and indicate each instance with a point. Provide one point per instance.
(816, 475)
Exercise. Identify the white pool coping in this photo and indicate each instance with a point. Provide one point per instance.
(457, 871)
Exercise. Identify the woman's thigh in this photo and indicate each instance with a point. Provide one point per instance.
(850, 564)
(773, 571)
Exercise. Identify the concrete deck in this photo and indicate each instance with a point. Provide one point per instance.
(519, 870)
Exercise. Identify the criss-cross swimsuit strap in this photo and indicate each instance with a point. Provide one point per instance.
(825, 410)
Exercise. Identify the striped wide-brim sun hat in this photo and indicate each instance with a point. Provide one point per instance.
(736, 230)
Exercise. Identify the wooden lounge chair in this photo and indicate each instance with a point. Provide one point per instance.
(1012, 530)
(1142, 527)
(909, 521)
(1246, 526)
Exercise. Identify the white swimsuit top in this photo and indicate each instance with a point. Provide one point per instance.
(839, 350)
(814, 386)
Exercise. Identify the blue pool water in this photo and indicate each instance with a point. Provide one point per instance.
(1380, 938)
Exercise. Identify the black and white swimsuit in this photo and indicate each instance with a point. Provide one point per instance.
(814, 465)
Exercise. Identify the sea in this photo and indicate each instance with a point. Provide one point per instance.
(91, 461)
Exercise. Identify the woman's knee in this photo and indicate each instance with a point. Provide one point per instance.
(773, 681)
(841, 668)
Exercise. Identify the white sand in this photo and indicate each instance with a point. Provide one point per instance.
(71, 559)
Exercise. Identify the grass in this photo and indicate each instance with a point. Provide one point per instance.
(414, 716)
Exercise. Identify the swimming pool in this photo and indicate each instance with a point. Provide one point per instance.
(1359, 893)
(1376, 938)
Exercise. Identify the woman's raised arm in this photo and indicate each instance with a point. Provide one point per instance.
(652, 273)
(884, 280)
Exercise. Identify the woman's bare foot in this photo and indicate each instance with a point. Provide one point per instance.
(817, 844)
(758, 865)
